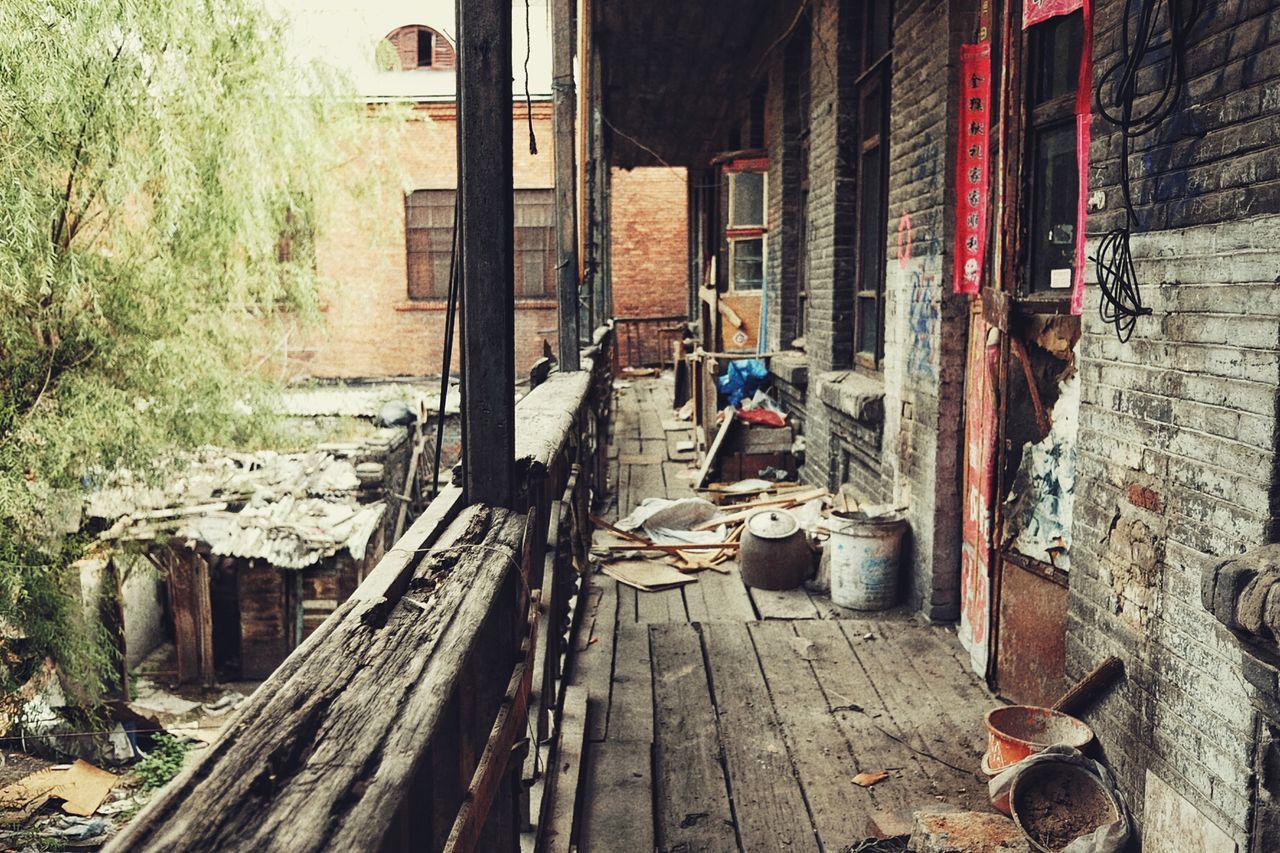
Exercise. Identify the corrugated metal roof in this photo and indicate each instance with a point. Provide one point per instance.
(365, 400)
(290, 509)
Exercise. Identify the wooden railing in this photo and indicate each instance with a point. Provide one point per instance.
(418, 715)
(646, 341)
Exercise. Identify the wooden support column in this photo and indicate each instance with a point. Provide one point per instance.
(567, 278)
(488, 271)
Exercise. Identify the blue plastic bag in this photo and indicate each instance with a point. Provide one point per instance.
(743, 379)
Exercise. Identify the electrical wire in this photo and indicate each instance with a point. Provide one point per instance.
(447, 355)
(528, 99)
(1142, 38)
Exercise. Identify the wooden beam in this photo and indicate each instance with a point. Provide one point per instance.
(565, 100)
(488, 270)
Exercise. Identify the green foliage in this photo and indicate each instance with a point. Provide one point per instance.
(152, 155)
(162, 763)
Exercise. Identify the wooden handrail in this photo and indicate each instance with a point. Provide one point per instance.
(398, 724)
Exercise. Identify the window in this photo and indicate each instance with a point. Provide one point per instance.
(535, 243)
(426, 45)
(872, 202)
(416, 47)
(746, 263)
(428, 238)
(802, 95)
(1054, 49)
(429, 241)
(746, 229)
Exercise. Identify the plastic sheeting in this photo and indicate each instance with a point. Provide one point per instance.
(742, 380)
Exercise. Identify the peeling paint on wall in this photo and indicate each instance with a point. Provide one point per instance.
(1038, 510)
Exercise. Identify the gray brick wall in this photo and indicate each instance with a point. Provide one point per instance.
(1176, 461)
(1187, 411)
(925, 326)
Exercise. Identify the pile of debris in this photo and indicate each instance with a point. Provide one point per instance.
(665, 543)
(290, 509)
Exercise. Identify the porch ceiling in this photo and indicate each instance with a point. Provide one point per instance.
(675, 72)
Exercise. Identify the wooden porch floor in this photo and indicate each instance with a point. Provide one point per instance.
(722, 719)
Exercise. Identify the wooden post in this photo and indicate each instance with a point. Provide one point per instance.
(488, 270)
(562, 85)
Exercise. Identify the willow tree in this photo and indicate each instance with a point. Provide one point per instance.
(160, 164)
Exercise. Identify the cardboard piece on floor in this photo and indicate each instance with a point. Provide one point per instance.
(647, 575)
(82, 786)
(676, 426)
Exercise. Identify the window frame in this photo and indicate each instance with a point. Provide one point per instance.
(1026, 120)
(734, 234)
(431, 47)
(436, 291)
(871, 238)
(528, 198)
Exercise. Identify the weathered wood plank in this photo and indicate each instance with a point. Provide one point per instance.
(718, 597)
(656, 607)
(565, 773)
(631, 700)
(937, 717)
(593, 662)
(566, 182)
(676, 476)
(841, 811)
(768, 802)
(487, 252)
(286, 779)
(617, 807)
(784, 604)
(691, 800)
(867, 724)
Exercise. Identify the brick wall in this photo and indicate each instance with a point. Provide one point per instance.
(910, 451)
(829, 325)
(370, 327)
(650, 242)
(1176, 455)
(925, 325)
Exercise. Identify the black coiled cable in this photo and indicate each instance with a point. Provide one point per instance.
(1117, 279)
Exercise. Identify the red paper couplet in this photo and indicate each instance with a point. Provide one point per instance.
(1038, 11)
(973, 172)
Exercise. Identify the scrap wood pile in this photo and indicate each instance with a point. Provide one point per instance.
(664, 543)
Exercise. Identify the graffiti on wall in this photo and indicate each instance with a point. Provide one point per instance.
(922, 323)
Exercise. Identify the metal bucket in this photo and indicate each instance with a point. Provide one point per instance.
(864, 561)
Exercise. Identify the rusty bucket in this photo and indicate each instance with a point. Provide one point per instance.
(1016, 731)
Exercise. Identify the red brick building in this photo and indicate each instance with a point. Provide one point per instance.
(383, 251)
(385, 255)
(650, 242)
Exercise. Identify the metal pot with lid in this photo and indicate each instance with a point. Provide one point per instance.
(774, 553)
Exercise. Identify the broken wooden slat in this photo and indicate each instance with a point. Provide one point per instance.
(714, 450)
(493, 766)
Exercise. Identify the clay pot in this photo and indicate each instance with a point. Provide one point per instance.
(774, 553)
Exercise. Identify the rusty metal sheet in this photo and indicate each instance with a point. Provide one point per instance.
(1031, 643)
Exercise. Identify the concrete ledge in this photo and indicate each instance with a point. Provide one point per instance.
(791, 367)
(857, 395)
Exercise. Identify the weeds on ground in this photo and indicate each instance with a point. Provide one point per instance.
(162, 763)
